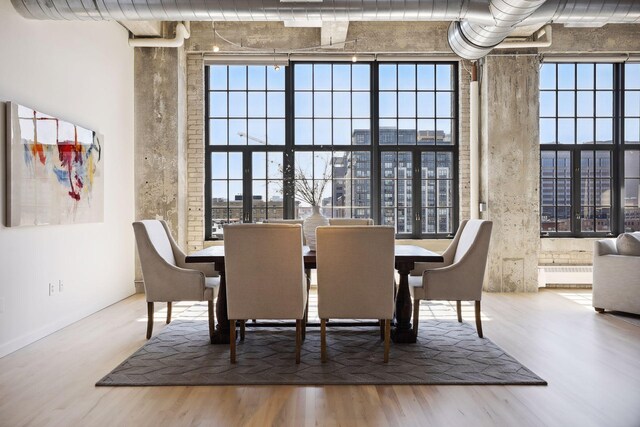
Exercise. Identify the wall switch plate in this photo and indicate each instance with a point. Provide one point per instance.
(52, 289)
(60, 286)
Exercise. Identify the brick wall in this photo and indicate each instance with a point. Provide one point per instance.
(195, 152)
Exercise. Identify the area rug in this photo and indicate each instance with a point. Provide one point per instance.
(447, 352)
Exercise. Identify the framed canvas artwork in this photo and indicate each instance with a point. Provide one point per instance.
(55, 170)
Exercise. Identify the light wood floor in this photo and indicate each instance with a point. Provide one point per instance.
(591, 361)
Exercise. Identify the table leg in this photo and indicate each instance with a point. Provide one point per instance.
(222, 334)
(403, 333)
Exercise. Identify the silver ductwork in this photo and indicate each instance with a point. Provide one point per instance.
(479, 25)
(473, 41)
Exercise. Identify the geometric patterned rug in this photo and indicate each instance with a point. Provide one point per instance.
(447, 352)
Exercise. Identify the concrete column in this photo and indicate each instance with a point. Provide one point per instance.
(160, 138)
(509, 162)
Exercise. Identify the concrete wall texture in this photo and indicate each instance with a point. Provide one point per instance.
(509, 130)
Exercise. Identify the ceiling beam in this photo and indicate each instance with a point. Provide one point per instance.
(334, 33)
(144, 28)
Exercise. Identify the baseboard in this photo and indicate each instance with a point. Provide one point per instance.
(31, 337)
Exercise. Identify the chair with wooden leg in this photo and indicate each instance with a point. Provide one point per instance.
(265, 277)
(461, 275)
(355, 277)
(167, 278)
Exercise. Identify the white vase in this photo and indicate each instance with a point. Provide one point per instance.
(316, 219)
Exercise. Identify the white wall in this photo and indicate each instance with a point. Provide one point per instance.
(83, 72)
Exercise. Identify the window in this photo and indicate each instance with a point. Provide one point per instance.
(631, 184)
(417, 116)
(378, 138)
(582, 153)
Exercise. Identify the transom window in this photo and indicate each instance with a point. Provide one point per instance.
(378, 139)
(585, 109)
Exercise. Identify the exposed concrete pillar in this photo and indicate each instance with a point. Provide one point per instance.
(509, 171)
(160, 138)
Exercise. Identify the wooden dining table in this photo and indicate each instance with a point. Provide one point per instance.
(405, 258)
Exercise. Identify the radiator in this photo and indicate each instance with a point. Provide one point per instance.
(569, 275)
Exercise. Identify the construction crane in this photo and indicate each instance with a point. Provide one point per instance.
(243, 134)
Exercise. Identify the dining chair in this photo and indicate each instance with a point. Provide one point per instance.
(350, 221)
(264, 269)
(355, 277)
(167, 278)
(461, 275)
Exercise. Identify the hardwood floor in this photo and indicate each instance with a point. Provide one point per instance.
(591, 361)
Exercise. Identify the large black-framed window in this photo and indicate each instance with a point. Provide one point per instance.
(330, 122)
(586, 149)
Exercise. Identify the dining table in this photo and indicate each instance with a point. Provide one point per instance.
(405, 258)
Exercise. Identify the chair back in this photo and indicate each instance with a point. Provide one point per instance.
(264, 271)
(152, 231)
(355, 272)
(350, 221)
(473, 247)
(288, 221)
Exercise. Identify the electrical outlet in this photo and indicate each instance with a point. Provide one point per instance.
(60, 286)
(52, 289)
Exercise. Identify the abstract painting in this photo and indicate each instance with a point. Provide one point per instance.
(55, 170)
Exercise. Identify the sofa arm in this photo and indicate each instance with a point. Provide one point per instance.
(604, 247)
(616, 283)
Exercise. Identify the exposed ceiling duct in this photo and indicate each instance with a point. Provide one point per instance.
(478, 27)
(473, 41)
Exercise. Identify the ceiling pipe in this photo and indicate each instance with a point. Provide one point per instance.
(473, 41)
(183, 32)
(541, 38)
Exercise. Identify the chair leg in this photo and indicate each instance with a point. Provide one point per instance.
(298, 339)
(387, 339)
(212, 319)
(323, 340)
(381, 321)
(478, 321)
(149, 319)
(459, 310)
(242, 326)
(232, 341)
(416, 316)
(168, 312)
(599, 310)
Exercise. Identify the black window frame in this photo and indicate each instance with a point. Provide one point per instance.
(617, 148)
(289, 150)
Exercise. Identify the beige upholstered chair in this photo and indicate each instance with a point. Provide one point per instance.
(355, 276)
(461, 275)
(265, 279)
(167, 277)
(350, 221)
(288, 221)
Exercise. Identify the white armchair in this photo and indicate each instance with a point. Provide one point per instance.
(461, 275)
(265, 277)
(616, 278)
(355, 276)
(166, 276)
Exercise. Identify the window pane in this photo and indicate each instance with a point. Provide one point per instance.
(217, 132)
(322, 77)
(360, 77)
(604, 76)
(322, 104)
(548, 76)
(217, 77)
(547, 104)
(237, 77)
(275, 104)
(406, 77)
(406, 104)
(341, 77)
(341, 104)
(257, 78)
(303, 104)
(387, 77)
(237, 104)
(444, 77)
(632, 103)
(303, 77)
(218, 104)
(257, 104)
(586, 76)
(566, 76)
(275, 79)
(426, 77)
